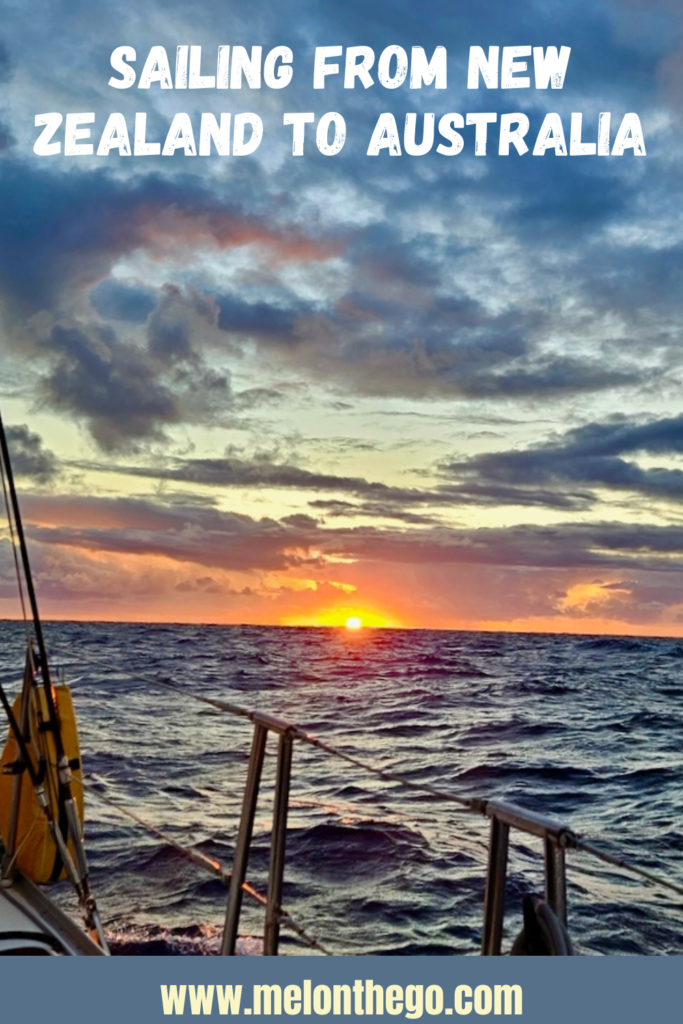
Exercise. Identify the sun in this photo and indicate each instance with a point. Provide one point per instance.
(354, 622)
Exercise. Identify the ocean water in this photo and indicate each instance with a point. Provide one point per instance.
(585, 729)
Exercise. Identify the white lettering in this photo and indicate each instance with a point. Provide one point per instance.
(385, 136)
(629, 136)
(278, 79)
(43, 146)
(455, 138)
(411, 147)
(551, 136)
(510, 67)
(549, 67)
(361, 70)
(156, 69)
(423, 71)
(72, 133)
(209, 131)
(384, 67)
(114, 136)
(337, 144)
(320, 68)
(515, 137)
(239, 146)
(299, 122)
(481, 121)
(118, 61)
(487, 65)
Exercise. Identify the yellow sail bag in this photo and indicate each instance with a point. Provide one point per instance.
(37, 856)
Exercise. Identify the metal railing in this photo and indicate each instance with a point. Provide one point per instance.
(263, 724)
(504, 816)
(556, 838)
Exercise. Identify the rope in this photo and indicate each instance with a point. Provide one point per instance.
(209, 864)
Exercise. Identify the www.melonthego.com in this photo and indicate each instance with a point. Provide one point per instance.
(359, 998)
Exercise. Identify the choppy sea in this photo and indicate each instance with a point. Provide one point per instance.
(585, 729)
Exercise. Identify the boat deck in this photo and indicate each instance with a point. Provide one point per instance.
(31, 924)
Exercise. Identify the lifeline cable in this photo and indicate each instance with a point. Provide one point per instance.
(207, 863)
(472, 805)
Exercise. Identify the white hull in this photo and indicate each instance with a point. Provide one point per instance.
(31, 924)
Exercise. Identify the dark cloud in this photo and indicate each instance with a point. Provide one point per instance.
(6, 64)
(250, 398)
(7, 138)
(125, 392)
(110, 384)
(205, 584)
(374, 498)
(413, 318)
(29, 456)
(68, 229)
(257, 319)
(378, 510)
(116, 301)
(211, 537)
(261, 471)
(169, 328)
(189, 533)
(386, 340)
(591, 456)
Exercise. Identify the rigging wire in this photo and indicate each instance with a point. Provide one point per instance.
(66, 821)
(9, 867)
(20, 585)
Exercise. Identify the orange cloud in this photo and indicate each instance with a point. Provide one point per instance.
(168, 232)
(143, 559)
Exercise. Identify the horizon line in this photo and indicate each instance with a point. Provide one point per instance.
(341, 627)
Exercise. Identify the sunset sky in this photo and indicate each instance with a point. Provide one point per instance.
(439, 391)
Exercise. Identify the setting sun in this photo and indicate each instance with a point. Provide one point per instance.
(353, 622)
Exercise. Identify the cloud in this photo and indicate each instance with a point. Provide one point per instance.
(7, 65)
(239, 568)
(589, 457)
(480, 481)
(374, 499)
(169, 326)
(114, 300)
(407, 302)
(233, 470)
(130, 392)
(419, 346)
(378, 510)
(114, 386)
(7, 138)
(205, 535)
(156, 302)
(69, 229)
(29, 456)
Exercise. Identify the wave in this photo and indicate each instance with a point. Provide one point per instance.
(581, 728)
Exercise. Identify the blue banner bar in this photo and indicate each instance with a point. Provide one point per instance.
(146, 989)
